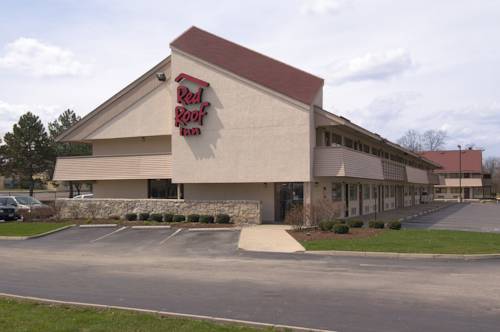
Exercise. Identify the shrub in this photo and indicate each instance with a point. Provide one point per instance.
(156, 217)
(206, 219)
(223, 219)
(376, 224)
(114, 217)
(143, 216)
(340, 229)
(179, 218)
(341, 221)
(168, 217)
(193, 218)
(131, 216)
(355, 223)
(326, 225)
(394, 225)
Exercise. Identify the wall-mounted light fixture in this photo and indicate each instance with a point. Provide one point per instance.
(161, 77)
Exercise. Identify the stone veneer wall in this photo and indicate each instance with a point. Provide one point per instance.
(241, 212)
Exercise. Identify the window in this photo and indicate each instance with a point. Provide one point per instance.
(337, 139)
(455, 190)
(375, 152)
(336, 192)
(161, 188)
(348, 142)
(440, 190)
(353, 192)
(366, 191)
(366, 148)
(386, 191)
(374, 191)
(393, 191)
(327, 138)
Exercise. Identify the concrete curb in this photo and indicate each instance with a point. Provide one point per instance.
(220, 320)
(202, 229)
(21, 238)
(98, 225)
(403, 255)
(151, 227)
(407, 218)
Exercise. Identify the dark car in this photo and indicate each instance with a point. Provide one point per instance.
(7, 212)
(28, 207)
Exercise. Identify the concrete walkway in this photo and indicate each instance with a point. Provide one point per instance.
(268, 238)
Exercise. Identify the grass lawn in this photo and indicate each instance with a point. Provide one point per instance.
(27, 228)
(27, 316)
(415, 241)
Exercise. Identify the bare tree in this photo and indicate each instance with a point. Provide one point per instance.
(411, 140)
(491, 165)
(433, 140)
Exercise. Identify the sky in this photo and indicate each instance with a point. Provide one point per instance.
(389, 66)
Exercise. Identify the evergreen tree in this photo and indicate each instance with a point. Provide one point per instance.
(27, 151)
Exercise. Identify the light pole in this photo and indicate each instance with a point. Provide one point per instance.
(460, 171)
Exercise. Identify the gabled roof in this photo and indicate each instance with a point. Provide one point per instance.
(472, 160)
(248, 64)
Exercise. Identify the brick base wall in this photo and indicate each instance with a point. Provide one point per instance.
(241, 212)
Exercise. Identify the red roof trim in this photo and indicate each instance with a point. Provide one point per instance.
(183, 76)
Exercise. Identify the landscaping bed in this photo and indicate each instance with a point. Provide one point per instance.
(28, 228)
(16, 315)
(402, 241)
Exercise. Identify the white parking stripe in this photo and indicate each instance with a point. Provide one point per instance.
(170, 236)
(109, 234)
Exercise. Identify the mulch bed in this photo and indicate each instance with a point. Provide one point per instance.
(354, 233)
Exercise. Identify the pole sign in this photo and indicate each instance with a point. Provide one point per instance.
(186, 113)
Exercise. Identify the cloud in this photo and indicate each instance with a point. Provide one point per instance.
(321, 7)
(10, 113)
(32, 57)
(372, 66)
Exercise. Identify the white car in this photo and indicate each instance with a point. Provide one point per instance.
(84, 196)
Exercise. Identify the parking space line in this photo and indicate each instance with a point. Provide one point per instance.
(171, 235)
(109, 234)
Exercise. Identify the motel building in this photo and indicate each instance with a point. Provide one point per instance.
(461, 175)
(217, 121)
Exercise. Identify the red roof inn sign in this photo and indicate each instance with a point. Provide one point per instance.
(186, 98)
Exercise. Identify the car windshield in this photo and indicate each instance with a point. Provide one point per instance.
(27, 200)
(6, 201)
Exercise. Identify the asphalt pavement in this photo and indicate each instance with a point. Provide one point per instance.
(204, 273)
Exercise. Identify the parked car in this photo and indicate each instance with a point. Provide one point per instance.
(84, 196)
(29, 207)
(7, 211)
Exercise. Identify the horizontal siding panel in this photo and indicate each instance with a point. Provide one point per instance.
(113, 168)
(338, 161)
(416, 175)
(466, 182)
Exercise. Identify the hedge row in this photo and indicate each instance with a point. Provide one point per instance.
(334, 225)
(170, 217)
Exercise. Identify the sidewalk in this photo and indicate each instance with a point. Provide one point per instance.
(268, 238)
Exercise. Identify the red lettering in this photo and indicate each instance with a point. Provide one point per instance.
(184, 116)
(186, 97)
(189, 131)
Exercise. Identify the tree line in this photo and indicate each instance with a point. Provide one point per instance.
(29, 151)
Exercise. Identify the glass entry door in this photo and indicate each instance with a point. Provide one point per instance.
(287, 195)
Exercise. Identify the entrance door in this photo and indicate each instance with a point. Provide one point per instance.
(288, 195)
(466, 193)
(360, 199)
(346, 197)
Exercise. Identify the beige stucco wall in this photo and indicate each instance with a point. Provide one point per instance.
(249, 134)
(137, 145)
(120, 189)
(235, 191)
(145, 110)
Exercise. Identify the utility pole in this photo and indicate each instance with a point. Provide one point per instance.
(460, 171)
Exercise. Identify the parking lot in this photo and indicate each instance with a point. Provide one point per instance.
(477, 217)
(128, 240)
